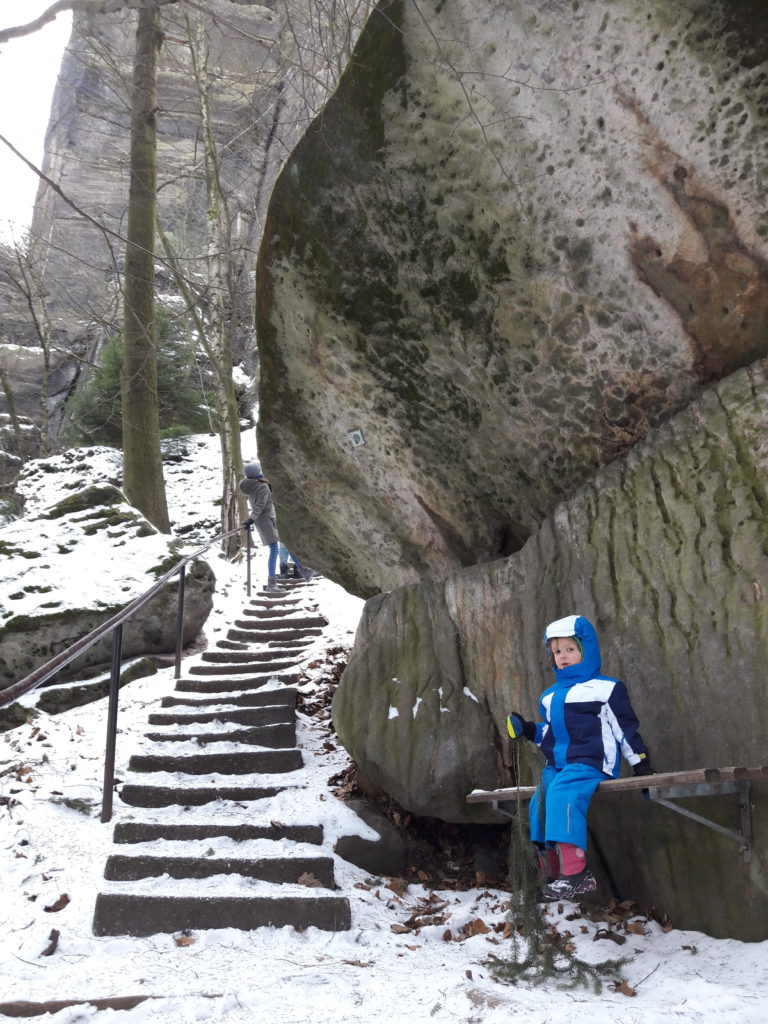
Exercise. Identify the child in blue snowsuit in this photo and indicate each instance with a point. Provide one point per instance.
(588, 723)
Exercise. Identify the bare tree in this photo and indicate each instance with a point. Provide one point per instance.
(24, 275)
(142, 463)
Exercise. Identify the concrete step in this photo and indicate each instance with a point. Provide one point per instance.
(284, 697)
(256, 635)
(247, 657)
(268, 762)
(285, 602)
(262, 611)
(241, 716)
(275, 737)
(241, 645)
(169, 796)
(282, 870)
(275, 664)
(146, 832)
(228, 685)
(125, 914)
(304, 622)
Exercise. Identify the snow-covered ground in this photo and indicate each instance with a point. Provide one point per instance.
(391, 966)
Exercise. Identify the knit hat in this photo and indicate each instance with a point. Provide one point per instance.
(253, 471)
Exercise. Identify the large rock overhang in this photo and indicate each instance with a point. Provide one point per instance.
(514, 242)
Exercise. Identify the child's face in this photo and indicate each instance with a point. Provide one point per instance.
(565, 651)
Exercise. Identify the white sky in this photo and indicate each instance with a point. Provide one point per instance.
(378, 971)
(28, 70)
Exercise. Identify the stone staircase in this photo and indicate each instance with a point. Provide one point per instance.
(198, 856)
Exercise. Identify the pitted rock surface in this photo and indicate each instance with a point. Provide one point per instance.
(518, 239)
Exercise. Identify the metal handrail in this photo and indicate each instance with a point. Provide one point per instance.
(115, 626)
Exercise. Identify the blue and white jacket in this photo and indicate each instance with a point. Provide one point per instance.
(588, 718)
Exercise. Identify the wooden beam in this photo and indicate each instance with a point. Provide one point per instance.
(661, 781)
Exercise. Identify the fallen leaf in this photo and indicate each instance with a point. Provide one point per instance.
(53, 941)
(447, 935)
(400, 929)
(468, 973)
(309, 879)
(184, 940)
(399, 886)
(60, 903)
(476, 927)
(636, 927)
(606, 933)
(624, 988)
(359, 963)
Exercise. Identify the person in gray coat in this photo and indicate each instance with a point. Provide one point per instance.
(258, 491)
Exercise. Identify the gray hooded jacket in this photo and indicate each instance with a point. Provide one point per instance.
(256, 488)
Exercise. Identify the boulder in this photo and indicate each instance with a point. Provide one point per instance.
(517, 240)
(666, 552)
(385, 855)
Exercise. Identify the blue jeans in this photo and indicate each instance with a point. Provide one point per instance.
(272, 559)
(285, 554)
(558, 809)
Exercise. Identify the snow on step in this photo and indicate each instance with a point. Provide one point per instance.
(170, 874)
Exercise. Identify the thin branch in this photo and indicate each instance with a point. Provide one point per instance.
(89, 7)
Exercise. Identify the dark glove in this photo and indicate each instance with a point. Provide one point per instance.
(517, 726)
(642, 767)
(249, 523)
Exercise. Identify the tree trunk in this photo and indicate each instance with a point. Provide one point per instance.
(220, 279)
(142, 463)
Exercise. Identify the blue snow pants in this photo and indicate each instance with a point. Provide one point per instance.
(558, 808)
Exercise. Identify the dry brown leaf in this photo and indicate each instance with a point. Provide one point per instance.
(359, 963)
(636, 927)
(60, 903)
(606, 933)
(468, 973)
(400, 929)
(184, 940)
(309, 879)
(476, 927)
(625, 989)
(399, 886)
(447, 935)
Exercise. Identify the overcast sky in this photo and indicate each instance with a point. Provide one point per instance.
(28, 70)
